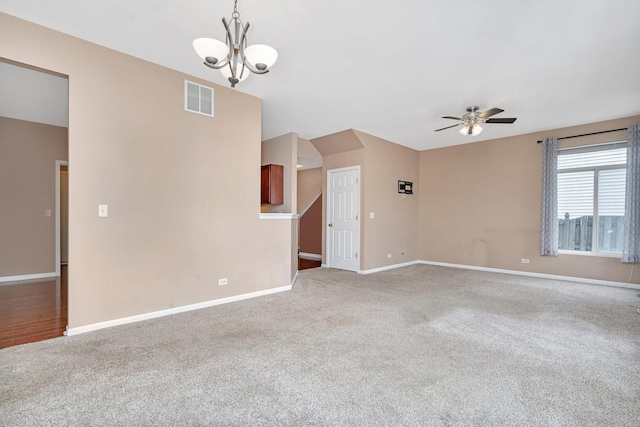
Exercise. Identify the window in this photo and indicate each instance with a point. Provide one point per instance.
(591, 188)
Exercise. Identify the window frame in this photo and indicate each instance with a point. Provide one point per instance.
(596, 170)
(200, 87)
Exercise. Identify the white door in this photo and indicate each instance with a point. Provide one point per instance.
(343, 212)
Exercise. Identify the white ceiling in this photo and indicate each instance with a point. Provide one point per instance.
(392, 69)
(33, 96)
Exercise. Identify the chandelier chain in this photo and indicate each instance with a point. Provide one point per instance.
(235, 14)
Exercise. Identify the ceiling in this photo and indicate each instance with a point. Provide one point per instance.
(392, 69)
(33, 95)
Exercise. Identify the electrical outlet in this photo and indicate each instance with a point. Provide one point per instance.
(388, 255)
(47, 212)
(222, 282)
(525, 260)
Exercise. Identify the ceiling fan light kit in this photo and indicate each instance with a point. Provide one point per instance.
(234, 58)
(472, 130)
(472, 119)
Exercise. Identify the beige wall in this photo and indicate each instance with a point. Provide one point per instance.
(311, 229)
(394, 230)
(293, 249)
(28, 154)
(309, 186)
(306, 150)
(64, 214)
(182, 188)
(480, 205)
(310, 224)
(282, 150)
(336, 143)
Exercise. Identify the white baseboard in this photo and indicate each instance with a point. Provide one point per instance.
(293, 282)
(197, 306)
(324, 266)
(27, 277)
(499, 270)
(531, 274)
(306, 255)
(388, 267)
(176, 310)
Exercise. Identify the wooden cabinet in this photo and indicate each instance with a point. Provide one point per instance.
(272, 185)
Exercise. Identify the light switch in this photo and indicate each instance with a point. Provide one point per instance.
(372, 215)
(103, 211)
(47, 212)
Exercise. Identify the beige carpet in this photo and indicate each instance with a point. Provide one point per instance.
(420, 345)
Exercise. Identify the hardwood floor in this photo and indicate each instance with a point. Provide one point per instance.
(32, 310)
(304, 264)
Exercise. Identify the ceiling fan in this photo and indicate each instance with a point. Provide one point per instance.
(471, 121)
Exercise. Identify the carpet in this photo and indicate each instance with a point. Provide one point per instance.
(420, 345)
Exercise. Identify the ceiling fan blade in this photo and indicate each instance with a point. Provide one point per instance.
(501, 120)
(448, 127)
(489, 113)
(451, 117)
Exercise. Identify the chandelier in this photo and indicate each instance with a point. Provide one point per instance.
(234, 58)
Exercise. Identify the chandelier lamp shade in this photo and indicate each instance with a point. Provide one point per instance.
(234, 58)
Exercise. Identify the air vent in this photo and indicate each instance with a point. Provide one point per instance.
(198, 98)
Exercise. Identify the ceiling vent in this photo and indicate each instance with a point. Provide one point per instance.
(198, 98)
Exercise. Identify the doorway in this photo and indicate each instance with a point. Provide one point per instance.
(62, 214)
(34, 148)
(343, 218)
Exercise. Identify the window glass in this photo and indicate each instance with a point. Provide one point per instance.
(611, 188)
(575, 210)
(569, 160)
(591, 187)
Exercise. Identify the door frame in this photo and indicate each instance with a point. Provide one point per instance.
(59, 163)
(328, 211)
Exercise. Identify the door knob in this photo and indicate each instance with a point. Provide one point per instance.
(330, 225)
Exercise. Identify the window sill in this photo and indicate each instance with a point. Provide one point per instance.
(585, 253)
(278, 216)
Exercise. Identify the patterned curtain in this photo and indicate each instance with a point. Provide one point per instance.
(631, 245)
(549, 225)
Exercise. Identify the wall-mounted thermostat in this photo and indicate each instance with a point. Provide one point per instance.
(405, 187)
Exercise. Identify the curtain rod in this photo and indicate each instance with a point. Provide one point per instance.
(589, 134)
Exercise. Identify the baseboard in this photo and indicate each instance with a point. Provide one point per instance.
(4, 279)
(388, 267)
(324, 266)
(293, 282)
(531, 274)
(306, 255)
(176, 310)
